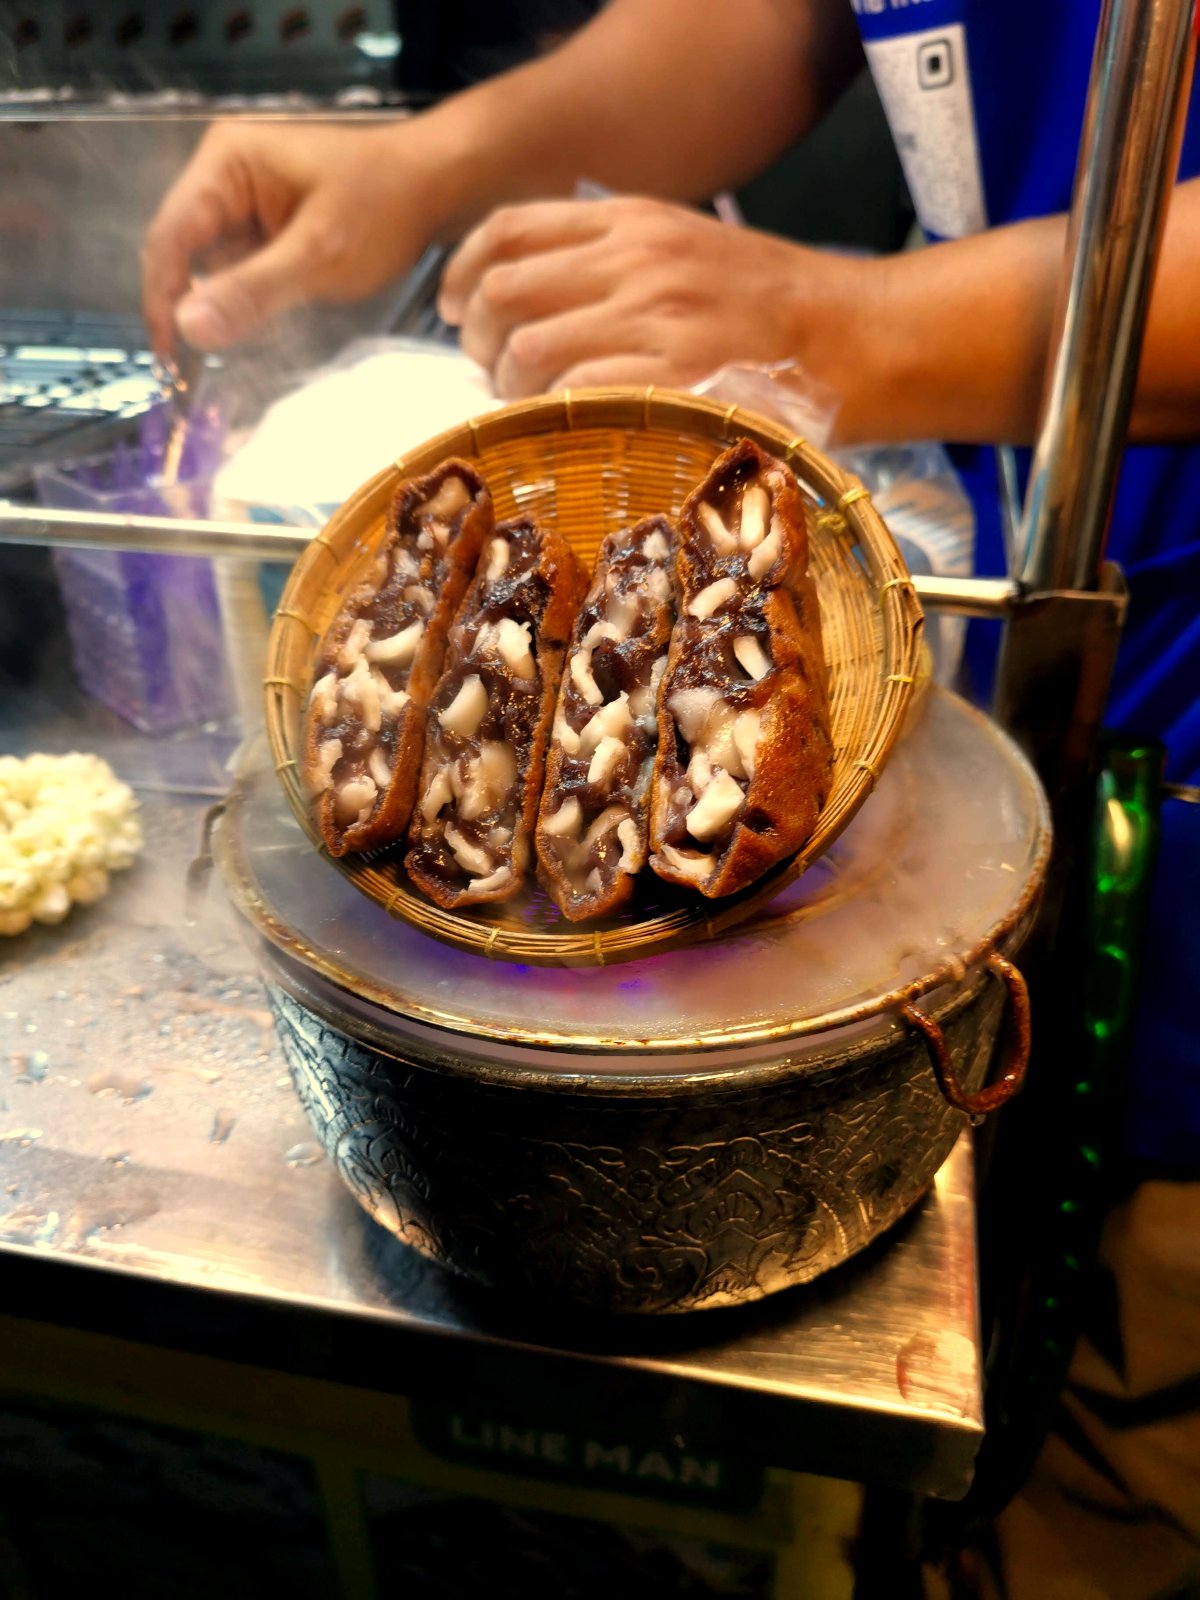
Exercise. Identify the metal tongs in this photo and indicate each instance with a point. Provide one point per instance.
(185, 374)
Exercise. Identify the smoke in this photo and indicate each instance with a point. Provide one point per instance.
(76, 195)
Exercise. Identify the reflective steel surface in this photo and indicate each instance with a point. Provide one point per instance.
(147, 1128)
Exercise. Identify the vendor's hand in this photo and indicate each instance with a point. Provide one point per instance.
(317, 213)
(564, 294)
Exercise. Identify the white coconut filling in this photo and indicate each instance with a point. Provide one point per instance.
(581, 677)
(494, 880)
(497, 559)
(438, 794)
(723, 744)
(328, 756)
(452, 494)
(658, 585)
(512, 642)
(700, 771)
(354, 644)
(605, 761)
(724, 542)
(470, 857)
(566, 736)
(756, 512)
(751, 656)
(487, 779)
(613, 719)
(391, 701)
(600, 631)
(719, 743)
(419, 596)
(687, 863)
(711, 598)
(621, 615)
(746, 729)
(564, 823)
(716, 807)
(633, 851)
(399, 648)
(690, 708)
(607, 820)
(643, 702)
(324, 699)
(466, 711)
(379, 767)
(354, 799)
(361, 688)
(765, 555)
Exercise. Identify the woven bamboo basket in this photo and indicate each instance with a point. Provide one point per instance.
(591, 462)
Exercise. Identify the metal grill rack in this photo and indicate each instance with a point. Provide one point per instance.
(96, 47)
(70, 384)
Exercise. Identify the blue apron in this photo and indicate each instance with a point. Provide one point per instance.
(986, 103)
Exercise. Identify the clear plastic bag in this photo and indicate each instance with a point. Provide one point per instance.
(914, 487)
(781, 391)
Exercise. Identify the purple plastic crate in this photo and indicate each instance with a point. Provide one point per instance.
(145, 629)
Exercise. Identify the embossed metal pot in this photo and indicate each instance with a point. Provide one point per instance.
(692, 1130)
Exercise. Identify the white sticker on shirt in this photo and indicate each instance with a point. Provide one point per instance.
(925, 85)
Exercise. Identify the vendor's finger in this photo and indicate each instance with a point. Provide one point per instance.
(224, 308)
(537, 353)
(171, 243)
(511, 232)
(202, 205)
(530, 290)
(620, 370)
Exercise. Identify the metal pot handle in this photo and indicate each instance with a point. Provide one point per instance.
(200, 867)
(1016, 1048)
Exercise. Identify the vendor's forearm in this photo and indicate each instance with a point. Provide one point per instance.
(952, 341)
(1167, 402)
(677, 98)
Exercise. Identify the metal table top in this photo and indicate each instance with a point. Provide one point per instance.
(148, 1130)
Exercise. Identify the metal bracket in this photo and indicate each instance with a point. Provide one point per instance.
(260, 541)
(1053, 678)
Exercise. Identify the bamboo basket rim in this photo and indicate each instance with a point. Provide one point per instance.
(845, 514)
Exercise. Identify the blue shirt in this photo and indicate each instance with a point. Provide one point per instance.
(986, 102)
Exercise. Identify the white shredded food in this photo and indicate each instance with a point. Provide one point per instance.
(66, 822)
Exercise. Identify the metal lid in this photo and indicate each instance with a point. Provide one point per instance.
(942, 861)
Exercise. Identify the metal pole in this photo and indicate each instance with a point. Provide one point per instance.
(1056, 666)
(265, 541)
(103, 530)
(1060, 643)
(966, 597)
(1129, 151)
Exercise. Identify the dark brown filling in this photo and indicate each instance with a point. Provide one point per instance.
(513, 712)
(708, 662)
(707, 657)
(617, 666)
(396, 604)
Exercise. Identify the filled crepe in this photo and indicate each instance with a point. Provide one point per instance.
(593, 826)
(489, 718)
(745, 758)
(365, 722)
